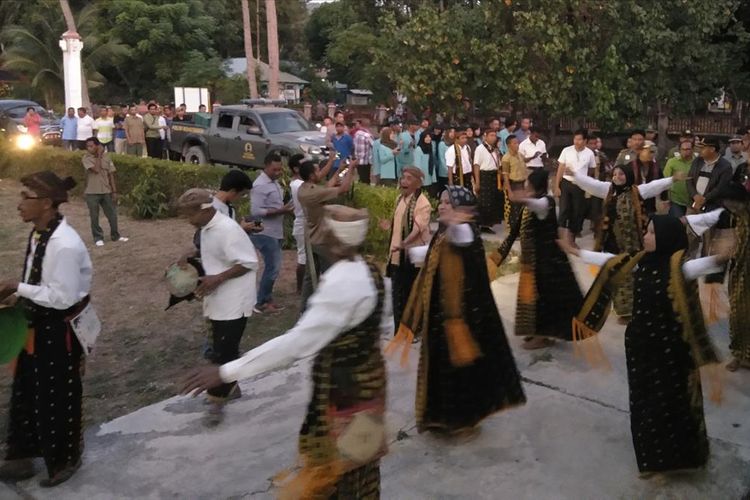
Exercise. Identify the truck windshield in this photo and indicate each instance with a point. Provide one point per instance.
(287, 121)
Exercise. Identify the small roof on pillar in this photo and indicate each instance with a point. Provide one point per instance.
(71, 34)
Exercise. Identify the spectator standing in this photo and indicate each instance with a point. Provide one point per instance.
(267, 205)
(33, 122)
(407, 143)
(163, 134)
(101, 190)
(734, 154)
(69, 126)
(153, 129)
(298, 227)
(678, 194)
(134, 132)
(709, 174)
(631, 152)
(572, 198)
(459, 164)
(343, 144)
(104, 129)
(84, 128)
(510, 128)
(533, 150)
(168, 119)
(524, 131)
(363, 153)
(121, 140)
(487, 159)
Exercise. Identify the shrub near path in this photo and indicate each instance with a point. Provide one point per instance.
(143, 349)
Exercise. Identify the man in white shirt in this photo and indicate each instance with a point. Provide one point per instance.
(487, 160)
(573, 198)
(533, 150)
(228, 288)
(346, 316)
(45, 405)
(461, 170)
(85, 128)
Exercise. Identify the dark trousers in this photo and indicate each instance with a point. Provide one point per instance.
(322, 263)
(105, 201)
(226, 348)
(402, 280)
(572, 207)
(45, 403)
(442, 183)
(154, 147)
(363, 171)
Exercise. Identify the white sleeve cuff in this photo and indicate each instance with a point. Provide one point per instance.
(461, 234)
(594, 258)
(700, 223)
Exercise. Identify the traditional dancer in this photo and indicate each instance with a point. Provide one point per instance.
(410, 227)
(548, 293)
(228, 288)
(466, 368)
(45, 403)
(665, 343)
(736, 199)
(624, 220)
(342, 327)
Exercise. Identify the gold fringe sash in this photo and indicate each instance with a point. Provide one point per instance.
(462, 348)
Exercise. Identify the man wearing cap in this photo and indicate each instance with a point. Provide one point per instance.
(676, 152)
(734, 154)
(635, 144)
(45, 404)
(344, 321)
(708, 176)
(409, 227)
(227, 289)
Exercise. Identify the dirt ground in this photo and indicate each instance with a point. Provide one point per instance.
(143, 350)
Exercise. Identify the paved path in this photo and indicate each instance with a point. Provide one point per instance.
(571, 441)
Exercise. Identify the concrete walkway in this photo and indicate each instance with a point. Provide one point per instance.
(571, 440)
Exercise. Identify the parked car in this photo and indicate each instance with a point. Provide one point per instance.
(243, 135)
(12, 113)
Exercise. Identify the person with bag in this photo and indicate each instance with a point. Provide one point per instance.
(45, 406)
(343, 435)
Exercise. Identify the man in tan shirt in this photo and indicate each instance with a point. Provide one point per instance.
(101, 190)
(134, 132)
(313, 198)
(515, 172)
(410, 227)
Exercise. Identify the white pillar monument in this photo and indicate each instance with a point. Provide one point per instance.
(71, 46)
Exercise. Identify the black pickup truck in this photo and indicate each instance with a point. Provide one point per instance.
(243, 135)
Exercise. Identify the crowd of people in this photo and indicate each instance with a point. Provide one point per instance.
(136, 129)
(658, 229)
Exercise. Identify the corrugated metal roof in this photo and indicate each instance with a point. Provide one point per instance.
(238, 66)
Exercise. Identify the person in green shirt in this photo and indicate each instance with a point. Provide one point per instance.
(152, 127)
(678, 195)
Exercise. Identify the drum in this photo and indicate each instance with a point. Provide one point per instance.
(181, 281)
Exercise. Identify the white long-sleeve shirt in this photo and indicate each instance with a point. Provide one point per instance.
(66, 271)
(700, 223)
(345, 297)
(600, 189)
(692, 269)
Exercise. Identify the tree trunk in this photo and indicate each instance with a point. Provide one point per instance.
(662, 126)
(273, 49)
(253, 85)
(70, 22)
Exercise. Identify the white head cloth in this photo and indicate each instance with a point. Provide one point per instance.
(352, 232)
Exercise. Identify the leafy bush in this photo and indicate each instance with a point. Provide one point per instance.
(149, 187)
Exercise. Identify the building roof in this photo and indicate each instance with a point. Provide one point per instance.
(360, 92)
(238, 66)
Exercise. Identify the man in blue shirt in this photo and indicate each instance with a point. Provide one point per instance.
(69, 126)
(343, 144)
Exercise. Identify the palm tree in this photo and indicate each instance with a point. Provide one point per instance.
(35, 53)
(249, 50)
(273, 49)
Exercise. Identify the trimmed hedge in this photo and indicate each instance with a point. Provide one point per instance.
(148, 188)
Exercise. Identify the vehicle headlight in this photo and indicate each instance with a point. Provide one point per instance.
(25, 142)
(310, 149)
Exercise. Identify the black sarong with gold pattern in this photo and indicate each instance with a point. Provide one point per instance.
(349, 380)
(548, 293)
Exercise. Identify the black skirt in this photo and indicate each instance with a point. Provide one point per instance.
(490, 199)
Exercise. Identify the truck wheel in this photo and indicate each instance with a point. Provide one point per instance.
(195, 155)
